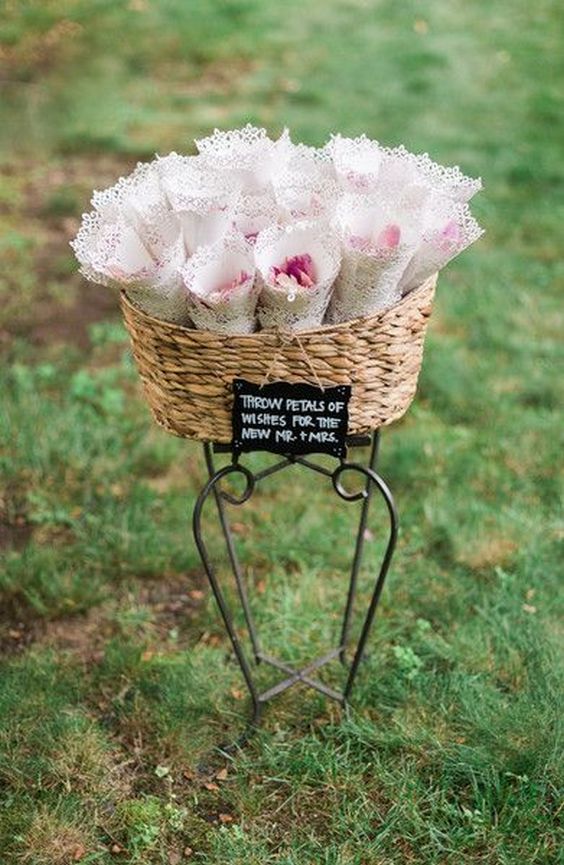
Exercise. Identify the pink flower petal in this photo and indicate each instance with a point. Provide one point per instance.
(299, 268)
(228, 287)
(389, 237)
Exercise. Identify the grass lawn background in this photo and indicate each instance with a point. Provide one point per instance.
(115, 680)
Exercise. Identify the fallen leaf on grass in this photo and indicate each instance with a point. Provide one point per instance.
(236, 694)
(210, 639)
(226, 818)
(221, 775)
(209, 785)
(196, 594)
(79, 852)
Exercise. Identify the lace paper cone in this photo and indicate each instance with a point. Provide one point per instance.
(164, 298)
(449, 230)
(447, 180)
(367, 283)
(201, 199)
(378, 242)
(254, 213)
(400, 168)
(142, 186)
(191, 184)
(221, 288)
(356, 162)
(248, 154)
(203, 229)
(285, 304)
(305, 187)
(397, 171)
(140, 200)
(113, 254)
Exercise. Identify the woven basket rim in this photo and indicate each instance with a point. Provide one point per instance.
(270, 332)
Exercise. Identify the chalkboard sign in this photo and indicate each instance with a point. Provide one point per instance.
(290, 418)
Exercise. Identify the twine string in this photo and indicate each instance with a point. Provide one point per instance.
(286, 338)
(276, 355)
(309, 362)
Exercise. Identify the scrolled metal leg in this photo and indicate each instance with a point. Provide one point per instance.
(372, 478)
(232, 553)
(359, 549)
(211, 487)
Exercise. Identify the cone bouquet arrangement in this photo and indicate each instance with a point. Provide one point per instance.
(257, 234)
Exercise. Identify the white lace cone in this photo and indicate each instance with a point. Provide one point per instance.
(367, 283)
(201, 199)
(221, 288)
(142, 187)
(254, 213)
(114, 254)
(163, 297)
(356, 162)
(400, 168)
(191, 184)
(305, 186)
(449, 230)
(203, 229)
(447, 180)
(397, 171)
(133, 238)
(289, 306)
(247, 154)
(378, 243)
(141, 201)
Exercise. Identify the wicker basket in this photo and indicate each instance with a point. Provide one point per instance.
(187, 374)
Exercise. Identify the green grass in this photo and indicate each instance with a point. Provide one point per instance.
(116, 686)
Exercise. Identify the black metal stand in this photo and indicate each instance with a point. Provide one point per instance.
(304, 675)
